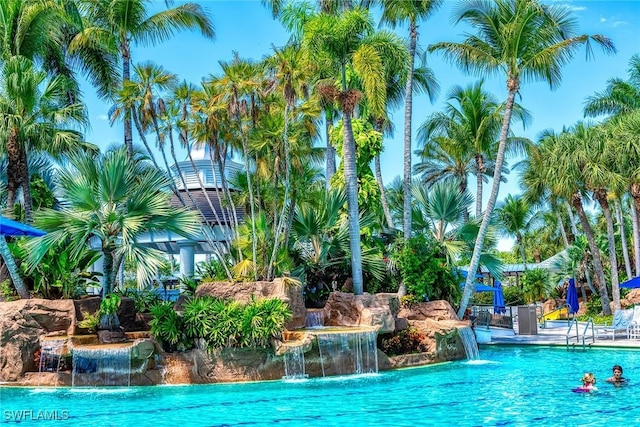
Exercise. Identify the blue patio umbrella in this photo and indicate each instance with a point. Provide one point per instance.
(498, 299)
(631, 283)
(572, 297)
(10, 227)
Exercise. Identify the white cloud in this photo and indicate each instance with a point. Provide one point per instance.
(103, 117)
(618, 23)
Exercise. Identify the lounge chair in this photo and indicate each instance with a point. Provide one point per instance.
(633, 330)
(619, 326)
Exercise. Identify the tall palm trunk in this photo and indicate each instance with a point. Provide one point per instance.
(14, 176)
(595, 253)
(108, 268)
(408, 109)
(523, 254)
(601, 196)
(479, 184)
(331, 152)
(254, 239)
(563, 232)
(623, 238)
(5, 253)
(126, 76)
(351, 183)
(513, 86)
(383, 192)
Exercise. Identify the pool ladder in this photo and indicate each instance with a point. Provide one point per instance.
(574, 322)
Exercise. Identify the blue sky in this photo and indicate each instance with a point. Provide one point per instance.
(246, 27)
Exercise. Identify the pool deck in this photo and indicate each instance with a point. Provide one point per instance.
(557, 336)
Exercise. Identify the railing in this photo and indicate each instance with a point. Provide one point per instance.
(485, 315)
(574, 322)
(555, 313)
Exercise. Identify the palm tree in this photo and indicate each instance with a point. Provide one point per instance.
(515, 219)
(526, 41)
(111, 200)
(395, 13)
(349, 42)
(117, 25)
(36, 116)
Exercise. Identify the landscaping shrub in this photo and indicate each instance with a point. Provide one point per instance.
(406, 341)
(218, 323)
(143, 299)
(424, 270)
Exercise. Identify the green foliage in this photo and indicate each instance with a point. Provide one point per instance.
(142, 299)
(90, 321)
(513, 295)
(535, 284)
(211, 271)
(109, 312)
(405, 342)
(189, 285)
(60, 273)
(409, 300)
(424, 270)
(217, 323)
(167, 327)
(7, 291)
(594, 306)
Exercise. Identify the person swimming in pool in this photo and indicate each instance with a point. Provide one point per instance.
(588, 383)
(617, 377)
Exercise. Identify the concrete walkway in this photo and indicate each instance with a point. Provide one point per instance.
(557, 336)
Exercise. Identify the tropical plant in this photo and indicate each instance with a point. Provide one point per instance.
(515, 218)
(167, 327)
(108, 202)
(90, 321)
(527, 41)
(411, 12)
(115, 26)
(425, 272)
(109, 312)
(535, 284)
(348, 42)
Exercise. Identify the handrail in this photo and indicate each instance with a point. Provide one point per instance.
(584, 334)
(574, 321)
(562, 307)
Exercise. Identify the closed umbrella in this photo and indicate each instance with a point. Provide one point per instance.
(498, 299)
(572, 297)
(631, 283)
(10, 227)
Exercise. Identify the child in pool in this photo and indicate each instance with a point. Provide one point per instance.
(588, 383)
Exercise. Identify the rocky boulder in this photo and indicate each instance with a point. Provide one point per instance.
(433, 310)
(287, 290)
(22, 324)
(347, 309)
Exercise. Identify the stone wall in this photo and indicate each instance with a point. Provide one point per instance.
(22, 324)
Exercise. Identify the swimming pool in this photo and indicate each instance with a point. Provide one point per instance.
(509, 386)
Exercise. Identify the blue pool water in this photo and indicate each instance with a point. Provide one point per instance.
(509, 386)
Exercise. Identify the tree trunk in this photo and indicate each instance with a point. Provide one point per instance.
(563, 232)
(495, 187)
(5, 253)
(479, 184)
(108, 272)
(595, 254)
(408, 108)
(601, 196)
(523, 254)
(126, 76)
(254, 243)
(572, 220)
(331, 152)
(14, 177)
(351, 183)
(623, 238)
(383, 191)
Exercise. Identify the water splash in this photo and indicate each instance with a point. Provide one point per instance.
(315, 319)
(348, 353)
(469, 342)
(294, 363)
(101, 366)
